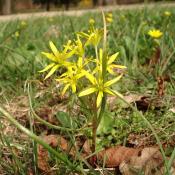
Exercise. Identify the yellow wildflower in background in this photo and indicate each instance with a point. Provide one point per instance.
(17, 34)
(91, 21)
(23, 23)
(155, 33)
(93, 37)
(167, 13)
(109, 18)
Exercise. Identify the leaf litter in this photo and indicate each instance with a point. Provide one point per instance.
(140, 158)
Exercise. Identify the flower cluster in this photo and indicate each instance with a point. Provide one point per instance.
(82, 73)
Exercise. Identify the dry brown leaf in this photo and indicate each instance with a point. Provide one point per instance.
(149, 161)
(116, 155)
(86, 147)
(43, 156)
(111, 100)
(47, 114)
(133, 97)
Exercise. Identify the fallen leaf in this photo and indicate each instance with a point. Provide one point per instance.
(43, 156)
(131, 98)
(114, 156)
(149, 161)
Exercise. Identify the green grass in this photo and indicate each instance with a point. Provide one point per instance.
(21, 59)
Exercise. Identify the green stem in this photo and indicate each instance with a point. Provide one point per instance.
(171, 159)
(102, 110)
(135, 55)
(104, 59)
(96, 52)
(94, 133)
(94, 126)
(104, 66)
(37, 139)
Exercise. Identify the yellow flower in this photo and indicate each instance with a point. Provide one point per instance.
(99, 87)
(93, 37)
(155, 33)
(109, 18)
(110, 65)
(17, 34)
(79, 48)
(109, 15)
(23, 23)
(167, 13)
(70, 79)
(58, 58)
(91, 21)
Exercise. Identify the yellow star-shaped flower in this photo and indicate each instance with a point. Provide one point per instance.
(100, 87)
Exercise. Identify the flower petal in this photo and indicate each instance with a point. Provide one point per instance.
(80, 62)
(109, 91)
(67, 46)
(110, 70)
(47, 67)
(109, 83)
(49, 56)
(90, 77)
(117, 93)
(69, 54)
(117, 66)
(87, 92)
(112, 58)
(53, 48)
(52, 71)
(99, 98)
(65, 89)
(78, 76)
